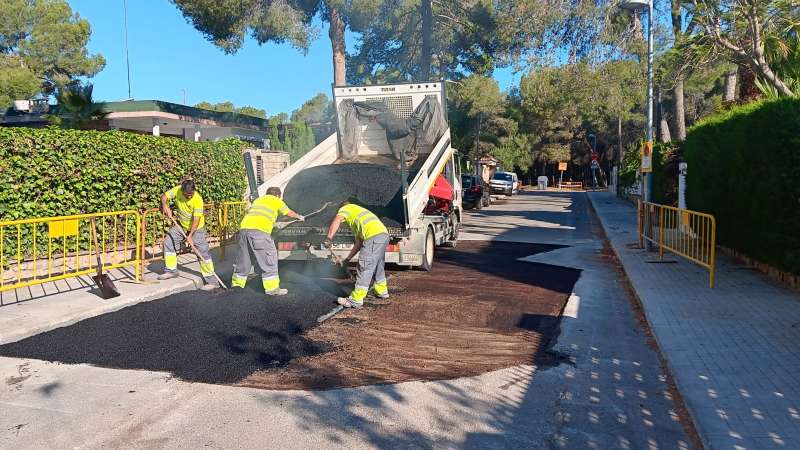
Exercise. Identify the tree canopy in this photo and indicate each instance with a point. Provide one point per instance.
(230, 107)
(42, 48)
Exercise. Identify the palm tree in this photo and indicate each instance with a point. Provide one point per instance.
(76, 107)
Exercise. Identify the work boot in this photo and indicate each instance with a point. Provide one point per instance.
(382, 296)
(348, 302)
(277, 292)
(209, 287)
(168, 275)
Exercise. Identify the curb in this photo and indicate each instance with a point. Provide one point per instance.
(692, 415)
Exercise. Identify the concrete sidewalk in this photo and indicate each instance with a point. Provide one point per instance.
(733, 350)
(25, 312)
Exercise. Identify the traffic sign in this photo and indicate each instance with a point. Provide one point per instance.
(562, 166)
(647, 157)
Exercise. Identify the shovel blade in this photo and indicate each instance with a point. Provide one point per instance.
(106, 286)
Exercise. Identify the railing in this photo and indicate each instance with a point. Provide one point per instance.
(230, 215)
(68, 245)
(571, 185)
(684, 232)
(63, 245)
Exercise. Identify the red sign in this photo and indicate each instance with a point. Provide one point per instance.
(594, 156)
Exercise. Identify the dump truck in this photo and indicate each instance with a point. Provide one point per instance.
(392, 153)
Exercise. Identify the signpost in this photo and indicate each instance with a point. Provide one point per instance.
(562, 166)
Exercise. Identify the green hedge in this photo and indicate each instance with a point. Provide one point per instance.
(665, 170)
(56, 172)
(744, 168)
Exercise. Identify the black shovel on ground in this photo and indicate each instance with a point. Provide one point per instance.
(103, 281)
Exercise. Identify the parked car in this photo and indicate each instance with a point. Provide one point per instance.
(476, 193)
(504, 183)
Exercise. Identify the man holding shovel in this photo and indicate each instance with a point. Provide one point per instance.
(191, 225)
(371, 240)
(255, 233)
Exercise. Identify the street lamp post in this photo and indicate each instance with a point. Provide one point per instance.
(640, 5)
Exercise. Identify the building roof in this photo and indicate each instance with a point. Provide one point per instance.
(138, 108)
(130, 109)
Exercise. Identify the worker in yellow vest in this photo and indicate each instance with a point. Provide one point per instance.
(255, 233)
(191, 222)
(371, 240)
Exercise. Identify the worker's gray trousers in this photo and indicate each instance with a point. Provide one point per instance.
(266, 256)
(371, 261)
(172, 242)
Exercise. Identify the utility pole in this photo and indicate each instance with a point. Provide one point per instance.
(127, 57)
(639, 5)
(478, 139)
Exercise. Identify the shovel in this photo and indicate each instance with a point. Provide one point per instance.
(282, 225)
(337, 261)
(103, 281)
(197, 252)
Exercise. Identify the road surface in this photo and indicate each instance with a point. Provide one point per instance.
(604, 389)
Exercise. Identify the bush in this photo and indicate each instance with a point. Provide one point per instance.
(55, 172)
(665, 170)
(744, 168)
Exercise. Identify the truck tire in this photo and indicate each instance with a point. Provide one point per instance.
(427, 257)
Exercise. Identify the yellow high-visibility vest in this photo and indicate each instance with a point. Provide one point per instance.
(187, 209)
(263, 214)
(362, 222)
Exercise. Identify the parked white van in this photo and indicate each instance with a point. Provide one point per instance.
(504, 183)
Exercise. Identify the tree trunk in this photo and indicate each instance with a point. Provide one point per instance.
(680, 110)
(748, 91)
(621, 153)
(336, 33)
(730, 86)
(638, 29)
(761, 66)
(426, 60)
(664, 134)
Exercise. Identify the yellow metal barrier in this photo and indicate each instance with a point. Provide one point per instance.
(67, 243)
(687, 233)
(230, 216)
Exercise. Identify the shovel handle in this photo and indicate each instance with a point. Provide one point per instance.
(196, 252)
(96, 248)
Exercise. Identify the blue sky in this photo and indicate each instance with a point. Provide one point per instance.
(167, 55)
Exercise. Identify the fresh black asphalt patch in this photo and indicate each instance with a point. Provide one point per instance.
(216, 337)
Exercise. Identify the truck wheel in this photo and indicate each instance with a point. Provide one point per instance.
(427, 258)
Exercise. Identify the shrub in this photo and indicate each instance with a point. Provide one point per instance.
(55, 172)
(744, 168)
